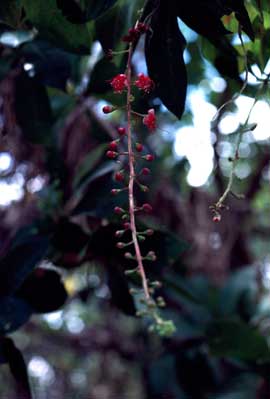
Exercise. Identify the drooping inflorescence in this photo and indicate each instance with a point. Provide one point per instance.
(131, 159)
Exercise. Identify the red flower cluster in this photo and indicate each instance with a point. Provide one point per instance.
(119, 83)
(142, 28)
(134, 33)
(150, 119)
(144, 83)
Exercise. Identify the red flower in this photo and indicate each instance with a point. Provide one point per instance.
(150, 119)
(134, 33)
(132, 36)
(119, 83)
(142, 28)
(144, 83)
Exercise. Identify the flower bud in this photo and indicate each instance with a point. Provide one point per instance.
(145, 171)
(107, 109)
(139, 147)
(113, 145)
(149, 157)
(147, 208)
(151, 256)
(118, 210)
(121, 131)
(111, 154)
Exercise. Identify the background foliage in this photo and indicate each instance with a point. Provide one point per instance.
(58, 249)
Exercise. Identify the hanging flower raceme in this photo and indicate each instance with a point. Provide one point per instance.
(119, 83)
(150, 120)
(129, 153)
(144, 83)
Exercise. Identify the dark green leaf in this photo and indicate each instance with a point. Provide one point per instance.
(96, 8)
(164, 48)
(231, 338)
(114, 24)
(242, 16)
(10, 12)
(203, 17)
(104, 70)
(265, 49)
(68, 236)
(43, 291)
(162, 378)
(91, 9)
(20, 261)
(6, 64)
(223, 56)
(52, 25)
(195, 362)
(17, 367)
(120, 296)
(238, 295)
(184, 290)
(14, 313)
(72, 11)
(94, 197)
(87, 165)
(51, 66)
(33, 109)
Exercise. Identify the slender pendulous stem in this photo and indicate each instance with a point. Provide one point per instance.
(132, 178)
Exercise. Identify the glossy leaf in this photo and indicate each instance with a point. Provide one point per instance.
(203, 17)
(164, 48)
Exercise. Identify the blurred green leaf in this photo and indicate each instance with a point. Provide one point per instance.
(14, 313)
(89, 9)
(183, 290)
(52, 25)
(232, 338)
(18, 368)
(20, 261)
(87, 165)
(11, 12)
(33, 110)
